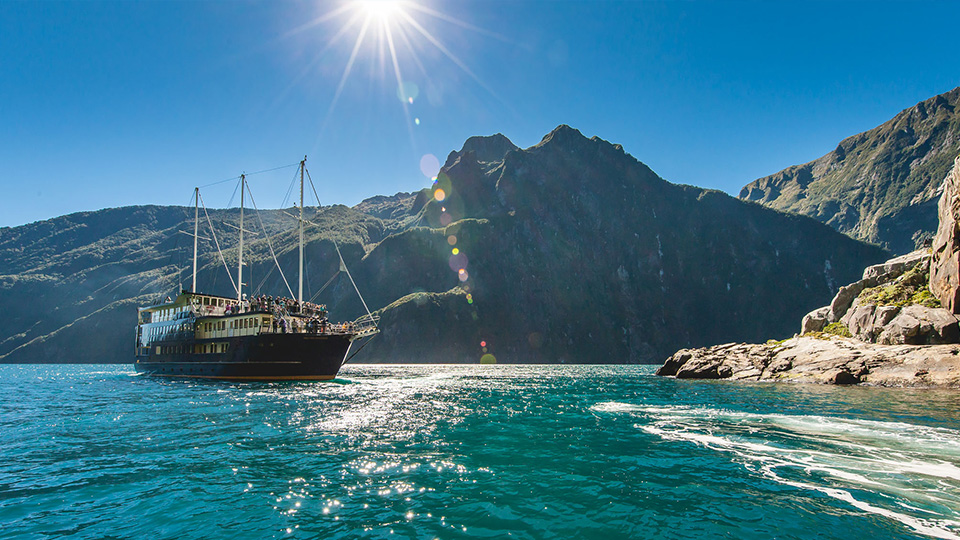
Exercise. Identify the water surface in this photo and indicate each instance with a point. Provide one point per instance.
(471, 452)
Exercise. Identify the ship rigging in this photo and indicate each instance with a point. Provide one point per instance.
(257, 338)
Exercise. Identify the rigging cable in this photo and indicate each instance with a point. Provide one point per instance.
(213, 233)
(232, 178)
(343, 264)
(325, 285)
(270, 245)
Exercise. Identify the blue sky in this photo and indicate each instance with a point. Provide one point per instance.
(118, 103)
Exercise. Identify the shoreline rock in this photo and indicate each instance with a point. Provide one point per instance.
(824, 359)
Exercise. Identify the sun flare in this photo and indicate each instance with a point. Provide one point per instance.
(380, 9)
(398, 42)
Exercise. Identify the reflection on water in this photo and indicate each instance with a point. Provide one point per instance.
(467, 451)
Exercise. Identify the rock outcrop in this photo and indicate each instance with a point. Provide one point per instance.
(945, 266)
(894, 331)
(888, 306)
(824, 360)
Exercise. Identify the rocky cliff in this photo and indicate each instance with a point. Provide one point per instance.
(567, 251)
(881, 185)
(887, 328)
(945, 264)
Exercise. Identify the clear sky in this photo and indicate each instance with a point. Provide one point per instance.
(119, 103)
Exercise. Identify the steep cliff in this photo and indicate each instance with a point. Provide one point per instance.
(573, 251)
(879, 186)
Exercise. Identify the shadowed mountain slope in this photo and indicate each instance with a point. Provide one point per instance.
(568, 251)
(576, 252)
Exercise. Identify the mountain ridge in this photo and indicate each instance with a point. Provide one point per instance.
(880, 185)
(571, 250)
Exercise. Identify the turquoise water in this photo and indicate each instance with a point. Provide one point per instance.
(471, 452)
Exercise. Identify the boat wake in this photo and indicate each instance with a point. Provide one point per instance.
(900, 471)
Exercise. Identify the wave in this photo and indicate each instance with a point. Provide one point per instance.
(903, 472)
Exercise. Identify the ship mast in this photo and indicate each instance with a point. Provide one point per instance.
(243, 187)
(303, 165)
(196, 225)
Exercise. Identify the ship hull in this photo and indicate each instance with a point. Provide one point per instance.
(265, 357)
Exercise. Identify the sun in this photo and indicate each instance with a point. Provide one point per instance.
(380, 9)
(391, 37)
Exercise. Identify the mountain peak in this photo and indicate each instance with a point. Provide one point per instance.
(489, 148)
(562, 134)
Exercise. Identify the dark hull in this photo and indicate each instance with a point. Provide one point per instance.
(265, 357)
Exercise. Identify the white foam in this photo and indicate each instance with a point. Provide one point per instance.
(912, 466)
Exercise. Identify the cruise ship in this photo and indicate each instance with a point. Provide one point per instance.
(266, 338)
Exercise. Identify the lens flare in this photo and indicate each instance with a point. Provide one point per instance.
(429, 165)
(445, 219)
(459, 262)
(463, 275)
(455, 251)
(452, 240)
(407, 91)
(439, 194)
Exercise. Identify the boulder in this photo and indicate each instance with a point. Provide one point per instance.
(815, 321)
(845, 297)
(894, 268)
(884, 315)
(945, 262)
(919, 325)
(859, 320)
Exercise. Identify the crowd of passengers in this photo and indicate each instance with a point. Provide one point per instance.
(314, 316)
(277, 305)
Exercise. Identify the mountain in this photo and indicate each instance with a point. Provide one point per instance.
(880, 186)
(567, 251)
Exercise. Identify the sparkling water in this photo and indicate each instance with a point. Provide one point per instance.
(486, 451)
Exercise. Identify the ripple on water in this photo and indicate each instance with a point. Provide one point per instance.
(466, 451)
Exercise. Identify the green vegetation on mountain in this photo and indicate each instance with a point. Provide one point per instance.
(880, 186)
(568, 251)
